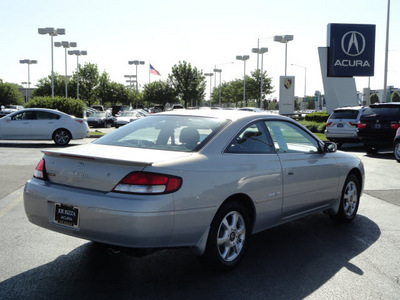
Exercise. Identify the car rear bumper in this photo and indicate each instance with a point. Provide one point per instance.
(110, 218)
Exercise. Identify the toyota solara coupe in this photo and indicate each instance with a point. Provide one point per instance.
(205, 180)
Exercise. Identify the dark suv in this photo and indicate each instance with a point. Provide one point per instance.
(378, 125)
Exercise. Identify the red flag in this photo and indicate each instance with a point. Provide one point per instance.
(154, 71)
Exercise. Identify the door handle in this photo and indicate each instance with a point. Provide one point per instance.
(289, 172)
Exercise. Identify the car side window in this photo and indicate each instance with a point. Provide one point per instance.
(252, 139)
(289, 138)
(44, 115)
(26, 115)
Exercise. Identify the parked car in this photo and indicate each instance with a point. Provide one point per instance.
(8, 109)
(342, 125)
(396, 145)
(378, 125)
(42, 124)
(202, 179)
(253, 109)
(129, 116)
(100, 119)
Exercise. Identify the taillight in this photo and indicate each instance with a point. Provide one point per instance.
(362, 125)
(353, 124)
(328, 124)
(148, 183)
(395, 125)
(40, 170)
(80, 121)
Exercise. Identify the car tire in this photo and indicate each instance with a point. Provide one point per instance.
(350, 200)
(62, 137)
(228, 237)
(371, 149)
(396, 150)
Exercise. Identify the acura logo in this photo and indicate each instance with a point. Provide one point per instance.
(353, 43)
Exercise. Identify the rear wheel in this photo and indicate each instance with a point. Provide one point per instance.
(371, 149)
(62, 137)
(228, 237)
(396, 150)
(349, 201)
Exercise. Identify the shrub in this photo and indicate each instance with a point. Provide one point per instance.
(320, 117)
(69, 106)
(314, 126)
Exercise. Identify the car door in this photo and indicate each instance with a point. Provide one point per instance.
(251, 155)
(310, 176)
(18, 126)
(45, 124)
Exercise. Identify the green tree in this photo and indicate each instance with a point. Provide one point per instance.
(374, 98)
(88, 82)
(395, 97)
(9, 94)
(189, 83)
(310, 104)
(159, 92)
(231, 93)
(44, 86)
(253, 84)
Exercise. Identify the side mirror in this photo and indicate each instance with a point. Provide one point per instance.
(330, 147)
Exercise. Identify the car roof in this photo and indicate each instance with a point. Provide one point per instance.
(222, 114)
(42, 109)
(349, 108)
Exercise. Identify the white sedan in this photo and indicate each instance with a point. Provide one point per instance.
(42, 124)
(128, 116)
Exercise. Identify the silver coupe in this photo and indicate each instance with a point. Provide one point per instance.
(202, 179)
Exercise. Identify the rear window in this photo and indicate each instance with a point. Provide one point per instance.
(344, 114)
(388, 111)
(165, 132)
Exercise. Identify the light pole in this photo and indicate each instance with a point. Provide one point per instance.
(136, 63)
(219, 93)
(244, 58)
(386, 54)
(28, 62)
(260, 51)
(77, 53)
(284, 39)
(66, 45)
(211, 75)
(305, 77)
(26, 90)
(52, 32)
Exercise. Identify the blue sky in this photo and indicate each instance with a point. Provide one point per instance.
(204, 33)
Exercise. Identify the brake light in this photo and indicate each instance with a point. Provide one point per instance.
(40, 170)
(395, 125)
(362, 125)
(80, 121)
(328, 124)
(353, 124)
(148, 183)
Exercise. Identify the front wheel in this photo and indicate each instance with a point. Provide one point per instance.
(396, 150)
(349, 201)
(228, 237)
(62, 137)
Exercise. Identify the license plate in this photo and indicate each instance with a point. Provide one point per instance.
(66, 215)
(340, 125)
(377, 126)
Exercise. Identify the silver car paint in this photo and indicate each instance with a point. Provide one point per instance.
(210, 176)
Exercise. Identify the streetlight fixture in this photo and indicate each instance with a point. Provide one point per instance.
(77, 53)
(244, 58)
(260, 51)
(28, 62)
(305, 77)
(211, 75)
(130, 79)
(285, 39)
(136, 63)
(52, 32)
(66, 45)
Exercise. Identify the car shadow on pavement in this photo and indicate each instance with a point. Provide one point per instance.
(287, 262)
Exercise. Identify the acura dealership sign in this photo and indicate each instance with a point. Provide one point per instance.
(351, 50)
